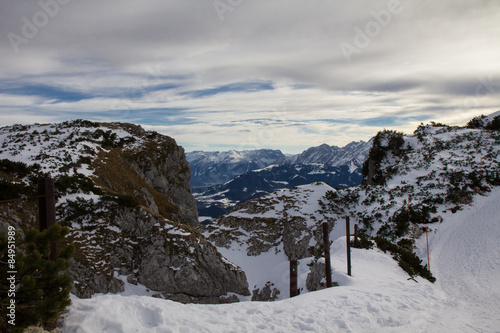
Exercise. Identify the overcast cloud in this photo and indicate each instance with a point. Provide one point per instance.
(248, 74)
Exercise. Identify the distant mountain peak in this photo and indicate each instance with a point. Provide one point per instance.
(239, 176)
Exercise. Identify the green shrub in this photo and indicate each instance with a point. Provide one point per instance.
(406, 259)
(362, 242)
(76, 183)
(385, 141)
(18, 169)
(476, 122)
(406, 244)
(123, 200)
(78, 210)
(10, 190)
(495, 124)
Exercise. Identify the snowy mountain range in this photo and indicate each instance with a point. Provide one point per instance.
(213, 168)
(243, 180)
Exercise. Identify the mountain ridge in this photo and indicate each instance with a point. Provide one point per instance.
(225, 165)
(339, 167)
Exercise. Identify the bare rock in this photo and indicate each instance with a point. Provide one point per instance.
(268, 293)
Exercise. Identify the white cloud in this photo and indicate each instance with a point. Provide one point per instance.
(427, 60)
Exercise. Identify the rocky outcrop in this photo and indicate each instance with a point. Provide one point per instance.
(156, 171)
(168, 257)
(268, 293)
(315, 279)
(126, 198)
(277, 227)
(280, 220)
(296, 237)
(181, 261)
(89, 281)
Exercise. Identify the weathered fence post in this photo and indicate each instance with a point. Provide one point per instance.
(47, 208)
(293, 278)
(348, 242)
(427, 241)
(355, 234)
(328, 264)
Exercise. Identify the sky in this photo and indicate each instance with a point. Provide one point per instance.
(251, 74)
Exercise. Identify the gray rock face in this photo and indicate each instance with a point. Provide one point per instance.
(292, 232)
(161, 164)
(296, 238)
(186, 264)
(316, 278)
(168, 257)
(265, 233)
(126, 198)
(268, 293)
(88, 284)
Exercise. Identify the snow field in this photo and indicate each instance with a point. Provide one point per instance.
(465, 258)
(378, 297)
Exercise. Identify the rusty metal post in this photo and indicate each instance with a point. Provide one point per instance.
(348, 242)
(47, 208)
(328, 264)
(293, 278)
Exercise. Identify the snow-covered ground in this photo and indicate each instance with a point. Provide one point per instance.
(464, 257)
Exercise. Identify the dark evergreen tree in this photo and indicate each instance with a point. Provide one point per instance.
(42, 286)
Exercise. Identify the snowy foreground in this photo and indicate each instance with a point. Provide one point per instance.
(465, 259)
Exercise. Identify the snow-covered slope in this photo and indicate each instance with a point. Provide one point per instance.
(261, 235)
(465, 258)
(464, 253)
(413, 179)
(443, 178)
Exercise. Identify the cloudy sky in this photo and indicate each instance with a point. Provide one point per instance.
(249, 74)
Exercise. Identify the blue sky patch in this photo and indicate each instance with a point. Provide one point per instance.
(45, 91)
(233, 87)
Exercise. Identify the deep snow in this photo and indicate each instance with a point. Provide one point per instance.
(464, 257)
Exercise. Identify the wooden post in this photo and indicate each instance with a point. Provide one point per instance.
(348, 242)
(356, 233)
(47, 208)
(328, 264)
(427, 241)
(293, 278)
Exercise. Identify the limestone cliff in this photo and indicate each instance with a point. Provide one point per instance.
(125, 194)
